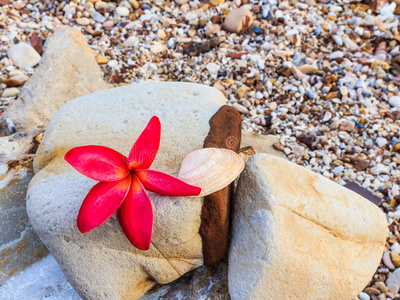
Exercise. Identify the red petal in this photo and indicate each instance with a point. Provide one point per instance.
(101, 202)
(98, 162)
(165, 184)
(136, 216)
(145, 148)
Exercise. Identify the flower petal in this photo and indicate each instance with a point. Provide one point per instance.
(165, 184)
(101, 202)
(145, 148)
(136, 216)
(98, 162)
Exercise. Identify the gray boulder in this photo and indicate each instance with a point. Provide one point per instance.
(298, 235)
(67, 70)
(102, 263)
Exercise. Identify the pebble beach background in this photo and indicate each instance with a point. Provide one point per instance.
(323, 77)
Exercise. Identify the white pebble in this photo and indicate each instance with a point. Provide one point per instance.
(360, 83)
(213, 68)
(287, 64)
(82, 21)
(395, 247)
(122, 11)
(338, 40)
(259, 95)
(287, 151)
(338, 169)
(336, 55)
(112, 63)
(261, 64)
(394, 101)
(23, 55)
(292, 32)
(363, 296)
(240, 108)
(381, 142)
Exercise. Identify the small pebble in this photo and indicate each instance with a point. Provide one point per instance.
(388, 261)
(364, 296)
(240, 108)
(82, 21)
(381, 142)
(122, 11)
(395, 258)
(238, 20)
(112, 63)
(101, 60)
(23, 55)
(213, 68)
(11, 126)
(347, 126)
(394, 101)
(381, 287)
(10, 92)
(108, 24)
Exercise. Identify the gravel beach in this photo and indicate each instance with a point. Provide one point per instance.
(322, 76)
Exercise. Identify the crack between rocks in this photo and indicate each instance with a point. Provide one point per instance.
(297, 250)
(166, 259)
(189, 240)
(150, 256)
(330, 231)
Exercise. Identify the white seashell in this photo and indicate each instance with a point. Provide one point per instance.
(211, 169)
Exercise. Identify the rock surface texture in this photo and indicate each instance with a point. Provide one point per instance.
(293, 229)
(42, 280)
(102, 263)
(45, 280)
(67, 70)
(14, 146)
(19, 244)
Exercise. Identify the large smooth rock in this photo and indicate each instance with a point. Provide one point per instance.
(19, 244)
(298, 235)
(67, 70)
(102, 263)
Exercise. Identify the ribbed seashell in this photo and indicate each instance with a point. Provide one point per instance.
(211, 169)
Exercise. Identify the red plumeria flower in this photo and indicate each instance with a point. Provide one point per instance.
(122, 185)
